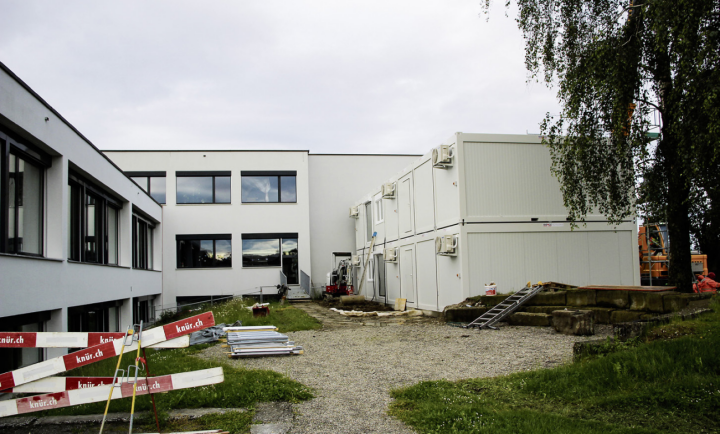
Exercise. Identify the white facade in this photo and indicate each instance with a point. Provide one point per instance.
(503, 206)
(335, 181)
(236, 218)
(39, 286)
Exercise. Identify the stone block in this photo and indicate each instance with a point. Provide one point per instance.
(548, 299)
(530, 319)
(465, 314)
(619, 316)
(647, 301)
(580, 297)
(574, 322)
(602, 314)
(616, 299)
(674, 302)
(493, 300)
(541, 309)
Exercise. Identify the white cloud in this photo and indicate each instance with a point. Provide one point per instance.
(328, 76)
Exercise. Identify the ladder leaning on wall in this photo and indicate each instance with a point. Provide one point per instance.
(506, 307)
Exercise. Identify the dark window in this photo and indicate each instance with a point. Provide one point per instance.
(380, 274)
(142, 238)
(22, 171)
(93, 222)
(269, 187)
(143, 309)
(152, 182)
(204, 251)
(272, 250)
(203, 187)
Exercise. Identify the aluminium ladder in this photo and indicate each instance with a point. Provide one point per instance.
(508, 306)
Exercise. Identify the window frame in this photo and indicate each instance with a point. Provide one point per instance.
(147, 176)
(280, 236)
(202, 237)
(279, 174)
(378, 209)
(9, 144)
(142, 260)
(77, 234)
(203, 174)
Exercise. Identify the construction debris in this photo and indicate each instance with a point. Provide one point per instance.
(362, 314)
(259, 341)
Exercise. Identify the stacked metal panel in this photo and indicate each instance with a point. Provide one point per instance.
(259, 341)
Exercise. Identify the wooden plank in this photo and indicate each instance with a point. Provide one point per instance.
(100, 393)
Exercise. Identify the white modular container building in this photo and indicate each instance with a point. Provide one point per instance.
(501, 213)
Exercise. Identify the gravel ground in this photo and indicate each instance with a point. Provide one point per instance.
(352, 367)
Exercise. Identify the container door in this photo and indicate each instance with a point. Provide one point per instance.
(405, 211)
(407, 276)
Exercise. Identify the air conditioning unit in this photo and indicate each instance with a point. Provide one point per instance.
(390, 254)
(354, 211)
(442, 157)
(388, 190)
(446, 245)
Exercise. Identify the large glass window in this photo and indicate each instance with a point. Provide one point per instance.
(273, 250)
(21, 197)
(203, 187)
(152, 182)
(269, 187)
(204, 251)
(142, 242)
(368, 222)
(93, 222)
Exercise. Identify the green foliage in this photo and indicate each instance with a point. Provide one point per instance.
(616, 64)
(662, 386)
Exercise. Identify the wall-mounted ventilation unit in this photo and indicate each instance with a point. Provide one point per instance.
(388, 190)
(442, 157)
(356, 260)
(354, 211)
(446, 245)
(390, 254)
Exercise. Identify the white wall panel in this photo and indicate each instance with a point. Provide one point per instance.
(497, 257)
(573, 257)
(447, 195)
(405, 206)
(426, 274)
(510, 182)
(408, 275)
(423, 192)
(391, 218)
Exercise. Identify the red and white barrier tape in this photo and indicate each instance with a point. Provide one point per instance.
(100, 393)
(60, 384)
(99, 352)
(72, 340)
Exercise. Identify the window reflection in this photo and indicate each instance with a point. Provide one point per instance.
(194, 189)
(288, 191)
(157, 188)
(222, 189)
(259, 189)
(261, 253)
(203, 253)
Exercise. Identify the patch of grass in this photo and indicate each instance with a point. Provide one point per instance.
(233, 422)
(242, 388)
(285, 317)
(669, 385)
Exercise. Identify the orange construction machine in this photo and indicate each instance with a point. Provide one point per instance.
(654, 244)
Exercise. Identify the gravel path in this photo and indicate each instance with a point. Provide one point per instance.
(352, 365)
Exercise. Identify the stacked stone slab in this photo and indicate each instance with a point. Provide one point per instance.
(608, 306)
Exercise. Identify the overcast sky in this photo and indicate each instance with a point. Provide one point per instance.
(390, 76)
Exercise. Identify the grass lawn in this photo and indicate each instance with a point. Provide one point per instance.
(662, 385)
(286, 317)
(242, 388)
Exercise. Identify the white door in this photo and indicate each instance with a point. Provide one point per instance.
(407, 274)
